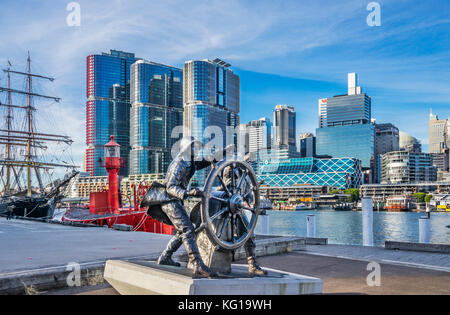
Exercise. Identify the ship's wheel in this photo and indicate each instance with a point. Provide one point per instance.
(230, 204)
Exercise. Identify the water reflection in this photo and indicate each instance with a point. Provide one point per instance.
(345, 227)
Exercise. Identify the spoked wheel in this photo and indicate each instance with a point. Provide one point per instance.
(230, 204)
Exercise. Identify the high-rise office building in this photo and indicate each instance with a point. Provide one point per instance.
(409, 143)
(439, 134)
(107, 107)
(156, 95)
(284, 120)
(441, 160)
(259, 133)
(211, 100)
(345, 128)
(307, 145)
(399, 167)
(386, 140)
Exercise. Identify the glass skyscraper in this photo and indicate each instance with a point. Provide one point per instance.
(345, 128)
(259, 134)
(107, 106)
(284, 120)
(347, 141)
(156, 95)
(211, 102)
(439, 134)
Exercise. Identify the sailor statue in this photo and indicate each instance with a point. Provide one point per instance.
(165, 204)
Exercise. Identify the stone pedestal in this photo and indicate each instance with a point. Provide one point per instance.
(146, 277)
(217, 260)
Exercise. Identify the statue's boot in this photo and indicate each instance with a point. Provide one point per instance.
(166, 255)
(253, 267)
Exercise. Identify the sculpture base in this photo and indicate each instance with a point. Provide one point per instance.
(147, 277)
(216, 260)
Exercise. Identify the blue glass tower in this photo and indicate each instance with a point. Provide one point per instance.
(156, 96)
(107, 106)
(345, 128)
(211, 99)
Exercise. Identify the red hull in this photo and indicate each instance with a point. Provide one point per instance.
(139, 220)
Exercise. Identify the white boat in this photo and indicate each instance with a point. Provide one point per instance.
(301, 207)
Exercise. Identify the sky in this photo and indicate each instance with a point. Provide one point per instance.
(285, 52)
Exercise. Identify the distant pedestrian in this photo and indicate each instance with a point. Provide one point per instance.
(10, 212)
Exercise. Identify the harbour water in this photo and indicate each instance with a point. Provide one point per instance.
(345, 227)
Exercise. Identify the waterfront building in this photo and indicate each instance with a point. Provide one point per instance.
(380, 192)
(107, 107)
(284, 119)
(340, 173)
(386, 140)
(211, 100)
(439, 134)
(307, 145)
(345, 128)
(132, 182)
(441, 160)
(72, 189)
(292, 193)
(409, 143)
(156, 95)
(88, 184)
(259, 134)
(443, 177)
(407, 167)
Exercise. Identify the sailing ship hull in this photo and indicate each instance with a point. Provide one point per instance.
(39, 208)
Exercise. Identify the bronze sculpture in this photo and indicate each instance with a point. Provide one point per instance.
(165, 203)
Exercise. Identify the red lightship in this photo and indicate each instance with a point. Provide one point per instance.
(105, 207)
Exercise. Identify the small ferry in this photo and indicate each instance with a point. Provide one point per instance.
(400, 203)
(344, 206)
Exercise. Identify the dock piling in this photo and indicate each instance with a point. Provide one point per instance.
(265, 229)
(310, 225)
(424, 230)
(367, 217)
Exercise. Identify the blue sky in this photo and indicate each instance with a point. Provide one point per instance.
(286, 52)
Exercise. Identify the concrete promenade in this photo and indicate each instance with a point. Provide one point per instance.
(349, 276)
(28, 248)
(28, 245)
(432, 261)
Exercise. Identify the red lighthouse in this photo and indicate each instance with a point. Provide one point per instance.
(112, 165)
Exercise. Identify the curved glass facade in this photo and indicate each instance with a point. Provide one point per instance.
(337, 173)
(211, 104)
(157, 108)
(107, 107)
(347, 141)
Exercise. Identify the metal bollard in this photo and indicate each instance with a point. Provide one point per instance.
(424, 230)
(265, 228)
(310, 225)
(367, 217)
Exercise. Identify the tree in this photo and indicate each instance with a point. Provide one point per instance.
(420, 196)
(428, 198)
(354, 194)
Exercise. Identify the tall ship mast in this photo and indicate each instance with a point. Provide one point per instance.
(17, 170)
